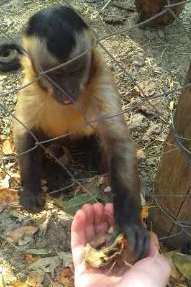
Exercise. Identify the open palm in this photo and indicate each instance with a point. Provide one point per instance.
(152, 271)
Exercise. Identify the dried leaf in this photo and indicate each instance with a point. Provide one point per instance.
(175, 274)
(182, 263)
(140, 154)
(65, 277)
(35, 279)
(15, 179)
(171, 106)
(116, 253)
(8, 146)
(2, 172)
(7, 196)
(47, 264)
(21, 232)
(29, 258)
(44, 225)
(25, 240)
(17, 284)
(4, 183)
(103, 180)
(66, 258)
(143, 201)
(38, 251)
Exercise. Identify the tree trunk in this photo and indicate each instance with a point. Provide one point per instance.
(172, 193)
(149, 8)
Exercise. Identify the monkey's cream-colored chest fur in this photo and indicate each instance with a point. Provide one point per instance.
(45, 113)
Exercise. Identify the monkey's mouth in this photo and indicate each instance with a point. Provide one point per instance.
(67, 101)
(63, 98)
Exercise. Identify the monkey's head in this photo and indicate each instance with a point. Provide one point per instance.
(52, 37)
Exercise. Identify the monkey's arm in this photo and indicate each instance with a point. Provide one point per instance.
(31, 197)
(125, 183)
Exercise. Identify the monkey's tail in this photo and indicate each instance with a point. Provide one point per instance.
(10, 56)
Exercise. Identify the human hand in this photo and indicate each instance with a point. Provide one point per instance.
(91, 220)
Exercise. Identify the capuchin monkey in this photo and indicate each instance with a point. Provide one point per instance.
(79, 99)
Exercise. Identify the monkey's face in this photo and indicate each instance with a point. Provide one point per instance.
(66, 83)
(55, 36)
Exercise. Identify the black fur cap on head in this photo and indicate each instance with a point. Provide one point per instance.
(57, 26)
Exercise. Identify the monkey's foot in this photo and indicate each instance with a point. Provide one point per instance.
(32, 202)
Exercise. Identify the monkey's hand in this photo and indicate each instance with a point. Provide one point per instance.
(32, 201)
(137, 238)
(129, 221)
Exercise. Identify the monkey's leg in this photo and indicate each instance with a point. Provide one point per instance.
(125, 187)
(31, 197)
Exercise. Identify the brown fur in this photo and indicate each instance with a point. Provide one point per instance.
(39, 110)
(96, 111)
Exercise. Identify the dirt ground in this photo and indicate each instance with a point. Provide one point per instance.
(154, 60)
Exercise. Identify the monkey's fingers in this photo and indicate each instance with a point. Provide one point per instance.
(138, 239)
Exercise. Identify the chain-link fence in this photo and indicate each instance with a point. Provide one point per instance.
(148, 87)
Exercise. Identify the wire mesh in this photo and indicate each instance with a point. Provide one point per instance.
(99, 10)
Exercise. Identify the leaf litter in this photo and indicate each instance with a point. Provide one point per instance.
(158, 62)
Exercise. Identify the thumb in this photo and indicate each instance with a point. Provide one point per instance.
(150, 272)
